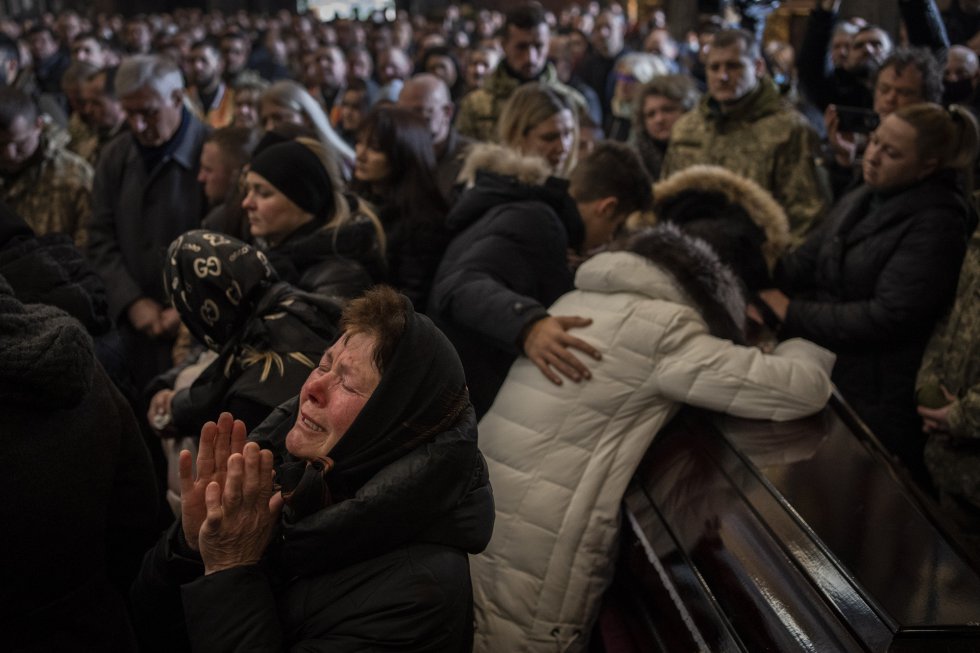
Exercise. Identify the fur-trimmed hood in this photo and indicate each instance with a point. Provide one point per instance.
(708, 180)
(501, 160)
(663, 262)
(497, 175)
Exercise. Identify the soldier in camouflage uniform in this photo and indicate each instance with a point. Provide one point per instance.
(48, 186)
(744, 125)
(950, 373)
(525, 43)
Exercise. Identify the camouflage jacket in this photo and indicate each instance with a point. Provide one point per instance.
(953, 359)
(953, 355)
(480, 109)
(83, 140)
(760, 138)
(53, 194)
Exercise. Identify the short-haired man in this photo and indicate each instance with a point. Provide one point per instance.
(145, 195)
(961, 75)
(331, 78)
(597, 68)
(89, 48)
(526, 37)
(48, 186)
(907, 76)
(428, 96)
(208, 93)
(744, 125)
(852, 83)
(101, 109)
(235, 51)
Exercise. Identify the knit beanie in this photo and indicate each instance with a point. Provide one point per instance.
(296, 172)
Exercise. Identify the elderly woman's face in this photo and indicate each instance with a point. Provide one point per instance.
(333, 396)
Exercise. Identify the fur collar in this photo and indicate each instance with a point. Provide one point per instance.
(490, 157)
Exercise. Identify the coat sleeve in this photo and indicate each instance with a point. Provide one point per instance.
(700, 369)
(249, 622)
(103, 244)
(912, 289)
(796, 272)
(925, 26)
(490, 288)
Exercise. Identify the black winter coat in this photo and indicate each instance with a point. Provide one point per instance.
(386, 570)
(334, 263)
(499, 274)
(79, 495)
(869, 284)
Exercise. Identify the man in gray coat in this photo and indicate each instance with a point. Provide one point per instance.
(145, 194)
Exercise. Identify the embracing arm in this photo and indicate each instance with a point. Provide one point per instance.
(700, 369)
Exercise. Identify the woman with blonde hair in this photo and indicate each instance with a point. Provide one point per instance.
(539, 120)
(630, 72)
(287, 101)
(873, 279)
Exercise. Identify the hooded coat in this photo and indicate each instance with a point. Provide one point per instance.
(78, 486)
(561, 456)
(507, 263)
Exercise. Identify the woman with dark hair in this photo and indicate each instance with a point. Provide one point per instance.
(383, 494)
(395, 170)
(317, 238)
(440, 61)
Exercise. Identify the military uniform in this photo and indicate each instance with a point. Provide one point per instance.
(83, 140)
(53, 194)
(953, 360)
(759, 137)
(480, 109)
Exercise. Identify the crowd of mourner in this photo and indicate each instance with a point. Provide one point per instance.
(350, 334)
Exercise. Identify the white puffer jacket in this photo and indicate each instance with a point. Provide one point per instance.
(561, 456)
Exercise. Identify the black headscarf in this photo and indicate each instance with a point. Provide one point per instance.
(422, 393)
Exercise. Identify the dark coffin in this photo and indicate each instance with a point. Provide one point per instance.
(741, 535)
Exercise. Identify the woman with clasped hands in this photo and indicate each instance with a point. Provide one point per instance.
(344, 522)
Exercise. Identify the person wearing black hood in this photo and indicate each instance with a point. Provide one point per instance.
(520, 232)
(383, 493)
(78, 487)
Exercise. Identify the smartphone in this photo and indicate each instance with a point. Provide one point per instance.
(856, 119)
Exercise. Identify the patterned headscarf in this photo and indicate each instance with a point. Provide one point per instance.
(214, 281)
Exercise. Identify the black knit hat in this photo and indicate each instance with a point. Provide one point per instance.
(297, 172)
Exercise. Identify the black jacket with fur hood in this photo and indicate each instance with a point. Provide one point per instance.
(506, 264)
